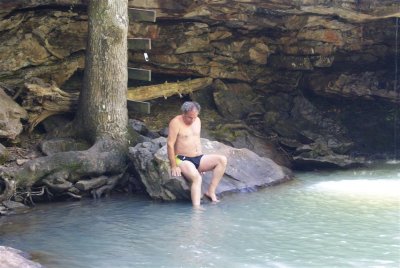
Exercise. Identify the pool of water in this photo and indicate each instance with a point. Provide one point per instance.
(320, 219)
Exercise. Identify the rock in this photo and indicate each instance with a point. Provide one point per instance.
(20, 162)
(14, 205)
(311, 162)
(54, 122)
(235, 100)
(310, 136)
(291, 62)
(142, 129)
(261, 147)
(14, 258)
(10, 116)
(3, 211)
(246, 171)
(163, 132)
(330, 52)
(366, 85)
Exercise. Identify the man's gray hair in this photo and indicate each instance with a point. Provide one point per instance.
(188, 106)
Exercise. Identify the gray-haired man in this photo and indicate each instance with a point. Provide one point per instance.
(185, 154)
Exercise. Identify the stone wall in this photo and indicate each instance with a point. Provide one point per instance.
(310, 77)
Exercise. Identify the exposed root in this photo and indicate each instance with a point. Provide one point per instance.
(26, 197)
(44, 100)
(7, 189)
(112, 181)
(63, 174)
(75, 196)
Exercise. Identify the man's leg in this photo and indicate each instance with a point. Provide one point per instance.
(216, 163)
(190, 172)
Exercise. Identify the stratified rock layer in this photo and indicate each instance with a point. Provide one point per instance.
(311, 77)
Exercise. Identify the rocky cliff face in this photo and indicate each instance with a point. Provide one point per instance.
(315, 77)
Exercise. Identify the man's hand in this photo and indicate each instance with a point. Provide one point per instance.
(176, 172)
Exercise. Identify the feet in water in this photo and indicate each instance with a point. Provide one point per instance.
(199, 208)
(213, 198)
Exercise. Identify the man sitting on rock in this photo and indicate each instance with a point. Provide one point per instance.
(185, 154)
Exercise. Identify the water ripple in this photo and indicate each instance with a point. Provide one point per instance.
(318, 220)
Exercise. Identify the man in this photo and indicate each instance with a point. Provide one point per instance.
(185, 154)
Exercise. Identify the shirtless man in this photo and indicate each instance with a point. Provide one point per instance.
(185, 154)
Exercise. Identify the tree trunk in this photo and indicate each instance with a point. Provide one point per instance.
(102, 109)
(102, 117)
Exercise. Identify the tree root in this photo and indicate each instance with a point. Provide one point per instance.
(57, 175)
(7, 189)
(112, 181)
(26, 197)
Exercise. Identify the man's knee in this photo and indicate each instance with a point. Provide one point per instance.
(223, 160)
(196, 178)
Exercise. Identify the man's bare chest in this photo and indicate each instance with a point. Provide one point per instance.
(189, 132)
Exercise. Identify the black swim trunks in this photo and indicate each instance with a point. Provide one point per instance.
(195, 160)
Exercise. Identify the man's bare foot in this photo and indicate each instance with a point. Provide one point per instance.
(198, 208)
(213, 198)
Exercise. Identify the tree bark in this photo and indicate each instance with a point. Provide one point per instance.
(101, 118)
(102, 109)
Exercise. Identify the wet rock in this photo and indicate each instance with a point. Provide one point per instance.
(246, 171)
(14, 205)
(311, 162)
(4, 211)
(14, 258)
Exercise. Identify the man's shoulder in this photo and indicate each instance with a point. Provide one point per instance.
(176, 120)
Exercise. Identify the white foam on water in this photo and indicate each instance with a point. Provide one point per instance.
(393, 162)
(362, 187)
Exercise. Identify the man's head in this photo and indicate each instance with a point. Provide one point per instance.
(190, 111)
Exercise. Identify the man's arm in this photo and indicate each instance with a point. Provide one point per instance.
(173, 130)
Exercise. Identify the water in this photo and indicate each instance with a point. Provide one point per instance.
(321, 219)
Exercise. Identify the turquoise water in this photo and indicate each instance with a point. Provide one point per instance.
(321, 219)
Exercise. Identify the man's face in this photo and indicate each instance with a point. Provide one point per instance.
(190, 117)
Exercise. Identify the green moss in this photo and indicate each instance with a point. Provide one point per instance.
(4, 157)
(228, 133)
(71, 166)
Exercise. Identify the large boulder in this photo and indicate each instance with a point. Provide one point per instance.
(246, 171)
(14, 258)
